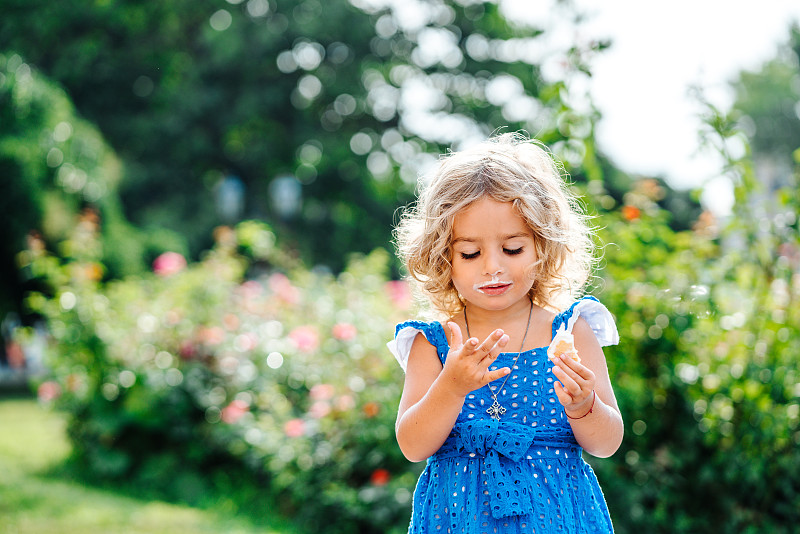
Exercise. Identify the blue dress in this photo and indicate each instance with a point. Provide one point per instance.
(522, 474)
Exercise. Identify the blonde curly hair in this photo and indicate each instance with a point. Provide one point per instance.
(508, 168)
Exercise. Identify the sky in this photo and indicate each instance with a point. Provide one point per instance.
(660, 50)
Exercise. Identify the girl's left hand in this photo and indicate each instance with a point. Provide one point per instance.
(575, 386)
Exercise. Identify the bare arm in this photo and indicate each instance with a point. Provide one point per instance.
(434, 395)
(599, 432)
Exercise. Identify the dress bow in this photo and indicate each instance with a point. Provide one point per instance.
(503, 445)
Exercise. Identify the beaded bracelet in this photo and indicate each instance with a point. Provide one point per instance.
(594, 396)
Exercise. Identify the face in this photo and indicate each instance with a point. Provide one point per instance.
(493, 248)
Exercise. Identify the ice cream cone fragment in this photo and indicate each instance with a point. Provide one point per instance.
(563, 343)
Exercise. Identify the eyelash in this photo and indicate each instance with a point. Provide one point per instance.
(472, 256)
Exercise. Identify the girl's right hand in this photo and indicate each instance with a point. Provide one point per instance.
(467, 365)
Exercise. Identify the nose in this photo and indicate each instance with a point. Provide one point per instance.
(491, 265)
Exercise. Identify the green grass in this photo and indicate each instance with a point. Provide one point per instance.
(37, 495)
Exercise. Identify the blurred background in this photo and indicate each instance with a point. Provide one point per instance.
(198, 278)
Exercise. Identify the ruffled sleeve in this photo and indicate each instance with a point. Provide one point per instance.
(593, 312)
(404, 336)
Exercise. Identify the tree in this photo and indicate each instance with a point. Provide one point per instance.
(768, 100)
(341, 104)
(52, 163)
(53, 166)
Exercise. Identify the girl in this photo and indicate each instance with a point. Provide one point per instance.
(498, 245)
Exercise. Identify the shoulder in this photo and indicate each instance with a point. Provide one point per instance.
(592, 313)
(583, 333)
(407, 339)
(421, 350)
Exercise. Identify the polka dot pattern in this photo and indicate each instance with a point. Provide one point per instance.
(523, 474)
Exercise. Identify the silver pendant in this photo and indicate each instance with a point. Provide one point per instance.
(496, 410)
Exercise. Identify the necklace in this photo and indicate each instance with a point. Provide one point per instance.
(497, 409)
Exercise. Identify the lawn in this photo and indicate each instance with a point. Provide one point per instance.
(37, 496)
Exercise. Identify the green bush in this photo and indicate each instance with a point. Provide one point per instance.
(706, 372)
(191, 368)
(248, 361)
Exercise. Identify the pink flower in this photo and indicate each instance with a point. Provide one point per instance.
(380, 477)
(234, 411)
(305, 338)
(246, 342)
(211, 336)
(322, 392)
(49, 391)
(400, 293)
(251, 289)
(345, 402)
(283, 288)
(231, 321)
(187, 350)
(169, 263)
(344, 331)
(294, 428)
(319, 409)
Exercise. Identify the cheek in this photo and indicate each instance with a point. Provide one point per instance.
(533, 266)
(531, 271)
(461, 277)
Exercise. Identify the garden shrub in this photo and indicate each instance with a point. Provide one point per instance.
(250, 361)
(192, 367)
(706, 371)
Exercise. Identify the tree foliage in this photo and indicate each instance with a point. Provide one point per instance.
(54, 164)
(349, 100)
(191, 368)
(766, 103)
(220, 362)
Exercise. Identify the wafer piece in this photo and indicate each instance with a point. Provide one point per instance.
(563, 343)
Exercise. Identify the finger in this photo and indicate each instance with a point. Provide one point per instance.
(576, 367)
(491, 376)
(563, 397)
(570, 385)
(577, 389)
(458, 338)
(485, 349)
(575, 370)
(494, 351)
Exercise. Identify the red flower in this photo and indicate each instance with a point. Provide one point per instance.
(234, 411)
(187, 350)
(371, 409)
(631, 213)
(380, 477)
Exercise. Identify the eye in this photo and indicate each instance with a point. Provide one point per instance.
(513, 252)
(469, 256)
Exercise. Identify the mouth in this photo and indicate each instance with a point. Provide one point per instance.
(493, 288)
